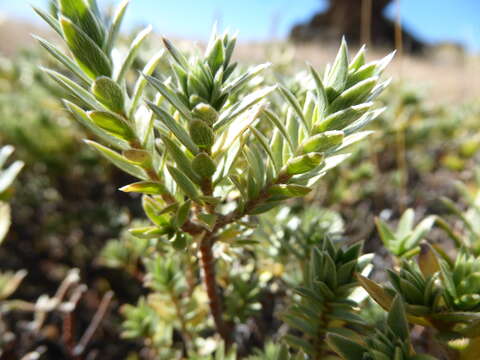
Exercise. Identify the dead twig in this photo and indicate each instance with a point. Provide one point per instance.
(94, 324)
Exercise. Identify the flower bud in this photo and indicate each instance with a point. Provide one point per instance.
(195, 100)
(206, 113)
(203, 165)
(201, 134)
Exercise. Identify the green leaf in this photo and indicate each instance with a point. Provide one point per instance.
(169, 96)
(49, 19)
(354, 95)
(383, 63)
(343, 118)
(237, 84)
(337, 77)
(363, 121)
(65, 60)
(208, 220)
(118, 160)
(82, 117)
(299, 343)
(322, 99)
(176, 54)
(346, 348)
(280, 126)
(358, 60)
(115, 25)
(263, 208)
(75, 90)
(109, 94)
(397, 319)
(304, 163)
(183, 162)
(138, 157)
(364, 72)
(5, 152)
(5, 222)
(300, 324)
(8, 176)
(421, 230)
(292, 100)
(257, 167)
(113, 124)
(353, 139)
(376, 292)
(322, 142)
(215, 55)
(150, 207)
(145, 187)
(264, 143)
(132, 53)
(447, 277)
(386, 235)
(142, 82)
(173, 126)
(405, 224)
(184, 183)
(182, 214)
(88, 54)
(82, 15)
(251, 99)
(288, 190)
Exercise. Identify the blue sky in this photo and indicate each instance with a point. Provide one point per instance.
(432, 20)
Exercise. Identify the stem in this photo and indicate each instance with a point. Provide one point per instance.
(206, 244)
(68, 332)
(94, 324)
(190, 274)
(321, 351)
(215, 302)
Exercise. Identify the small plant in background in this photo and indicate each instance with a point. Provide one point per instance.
(7, 177)
(440, 294)
(208, 151)
(325, 304)
(392, 341)
(9, 281)
(404, 241)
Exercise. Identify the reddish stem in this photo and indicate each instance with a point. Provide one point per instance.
(208, 266)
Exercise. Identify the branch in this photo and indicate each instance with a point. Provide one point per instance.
(94, 324)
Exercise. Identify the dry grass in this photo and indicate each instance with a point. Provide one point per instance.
(446, 77)
(451, 79)
(15, 35)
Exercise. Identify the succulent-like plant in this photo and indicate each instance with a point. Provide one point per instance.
(324, 304)
(405, 240)
(392, 341)
(207, 154)
(439, 294)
